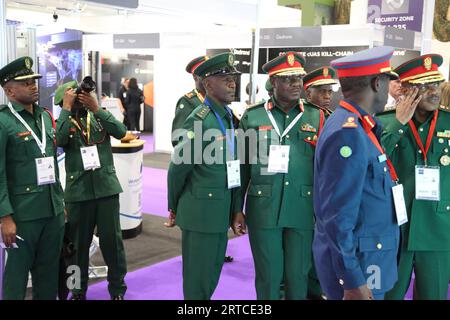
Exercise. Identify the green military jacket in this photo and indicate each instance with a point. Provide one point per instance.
(185, 105)
(84, 185)
(280, 199)
(20, 195)
(428, 226)
(197, 187)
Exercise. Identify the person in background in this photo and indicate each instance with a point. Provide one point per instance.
(191, 100)
(92, 189)
(395, 92)
(133, 102)
(122, 96)
(445, 94)
(319, 85)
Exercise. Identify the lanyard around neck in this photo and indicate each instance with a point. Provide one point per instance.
(368, 125)
(274, 123)
(429, 137)
(231, 141)
(88, 127)
(42, 144)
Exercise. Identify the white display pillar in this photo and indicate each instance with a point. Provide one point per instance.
(427, 26)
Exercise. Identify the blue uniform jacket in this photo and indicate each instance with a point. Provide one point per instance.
(356, 234)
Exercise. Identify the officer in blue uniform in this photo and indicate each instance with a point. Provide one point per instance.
(356, 235)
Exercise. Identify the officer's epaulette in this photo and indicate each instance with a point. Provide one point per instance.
(315, 106)
(257, 104)
(190, 95)
(202, 112)
(444, 108)
(385, 112)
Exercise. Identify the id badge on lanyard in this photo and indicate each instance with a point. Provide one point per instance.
(233, 174)
(279, 154)
(278, 159)
(233, 166)
(90, 157)
(399, 203)
(45, 170)
(427, 183)
(45, 166)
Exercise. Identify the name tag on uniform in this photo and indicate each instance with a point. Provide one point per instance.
(399, 203)
(233, 174)
(45, 170)
(278, 159)
(427, 183)
(90, 157)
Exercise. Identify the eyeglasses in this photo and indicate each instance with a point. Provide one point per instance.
(427, 86)
(289, 79)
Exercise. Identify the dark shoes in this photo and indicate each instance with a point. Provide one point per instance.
(228, 259)
(119, 297)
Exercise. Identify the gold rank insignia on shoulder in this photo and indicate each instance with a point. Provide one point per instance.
(350, 123)
(443, 134)
(203, 112)
(445, 160)
(308, 128)
(189, 95)
(23, 134)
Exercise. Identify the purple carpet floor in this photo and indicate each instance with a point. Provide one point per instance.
(154, 191)
(163, 281)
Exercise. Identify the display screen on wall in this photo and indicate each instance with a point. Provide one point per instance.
(402, 14)
(60, 60)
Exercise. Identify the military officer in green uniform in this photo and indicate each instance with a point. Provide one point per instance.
(277, 177)
(31, 197)
(319, 85)
(92, 189)
(417, 138)
(191, 100)
(204, 179)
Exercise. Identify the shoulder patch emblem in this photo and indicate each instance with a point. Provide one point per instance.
(345, 151)
(181, 106)
(203, 112)
(350, 123)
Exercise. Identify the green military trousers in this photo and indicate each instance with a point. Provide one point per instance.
(103, 213)
(203, 258)
(314, 289)
(39, 254)
(281, 253)
(432, 275)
